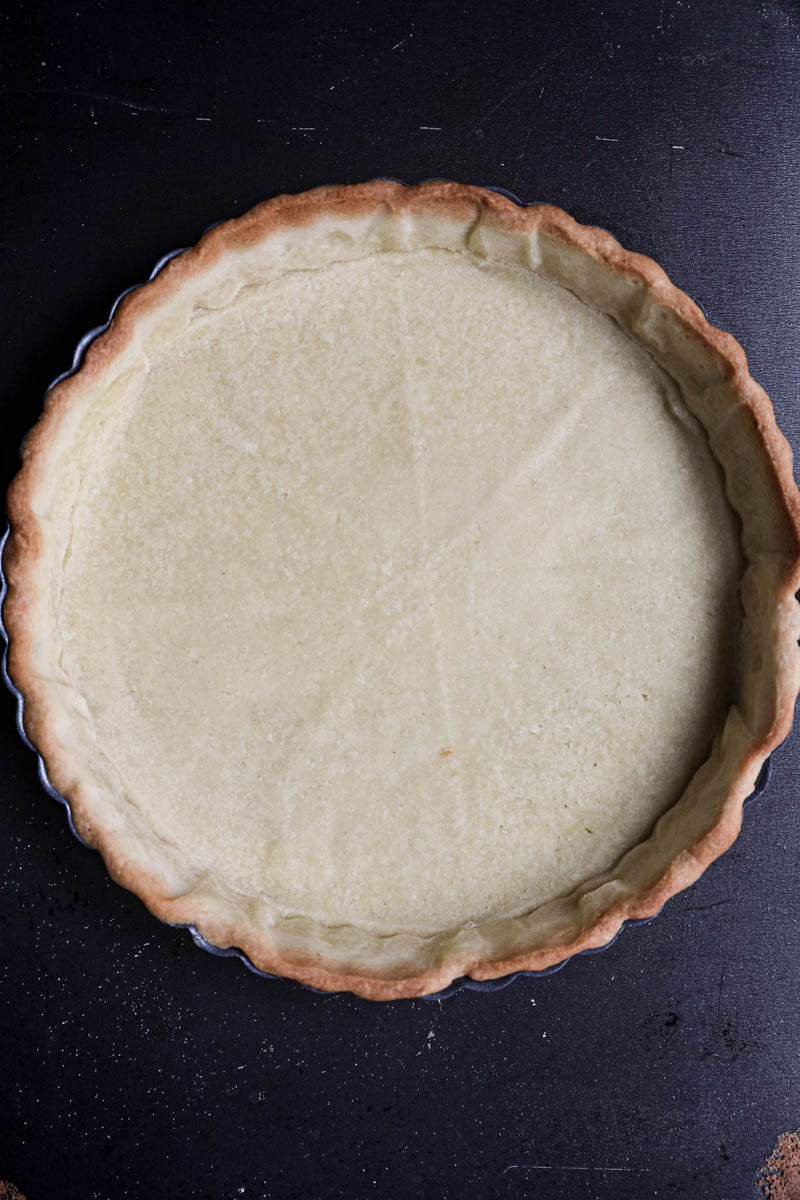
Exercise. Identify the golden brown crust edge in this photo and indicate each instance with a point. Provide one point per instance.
(24, 545)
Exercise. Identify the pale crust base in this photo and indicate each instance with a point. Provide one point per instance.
(712, 354)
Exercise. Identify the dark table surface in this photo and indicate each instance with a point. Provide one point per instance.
(134, 1065)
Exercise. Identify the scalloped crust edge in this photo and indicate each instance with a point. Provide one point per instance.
(24, 548)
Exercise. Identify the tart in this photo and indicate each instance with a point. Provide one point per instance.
(403, 588)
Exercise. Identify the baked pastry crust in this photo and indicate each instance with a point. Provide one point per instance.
(711, 370)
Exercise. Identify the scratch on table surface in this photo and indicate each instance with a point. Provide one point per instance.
(562, 1167)
(719, 999)
(548, 62)
(434, 127)
(529, 128)
(781, 1071)
(487, 1179)
(402, 42)
(103, 97)
(717, 903)
(605, 139)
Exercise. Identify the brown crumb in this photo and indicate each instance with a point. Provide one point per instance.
(9, 1192)
(444, 753)
(779, 1178)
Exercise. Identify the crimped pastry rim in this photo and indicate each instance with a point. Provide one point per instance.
(24, 548)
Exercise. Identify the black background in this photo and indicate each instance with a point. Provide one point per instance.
(132, 1064)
